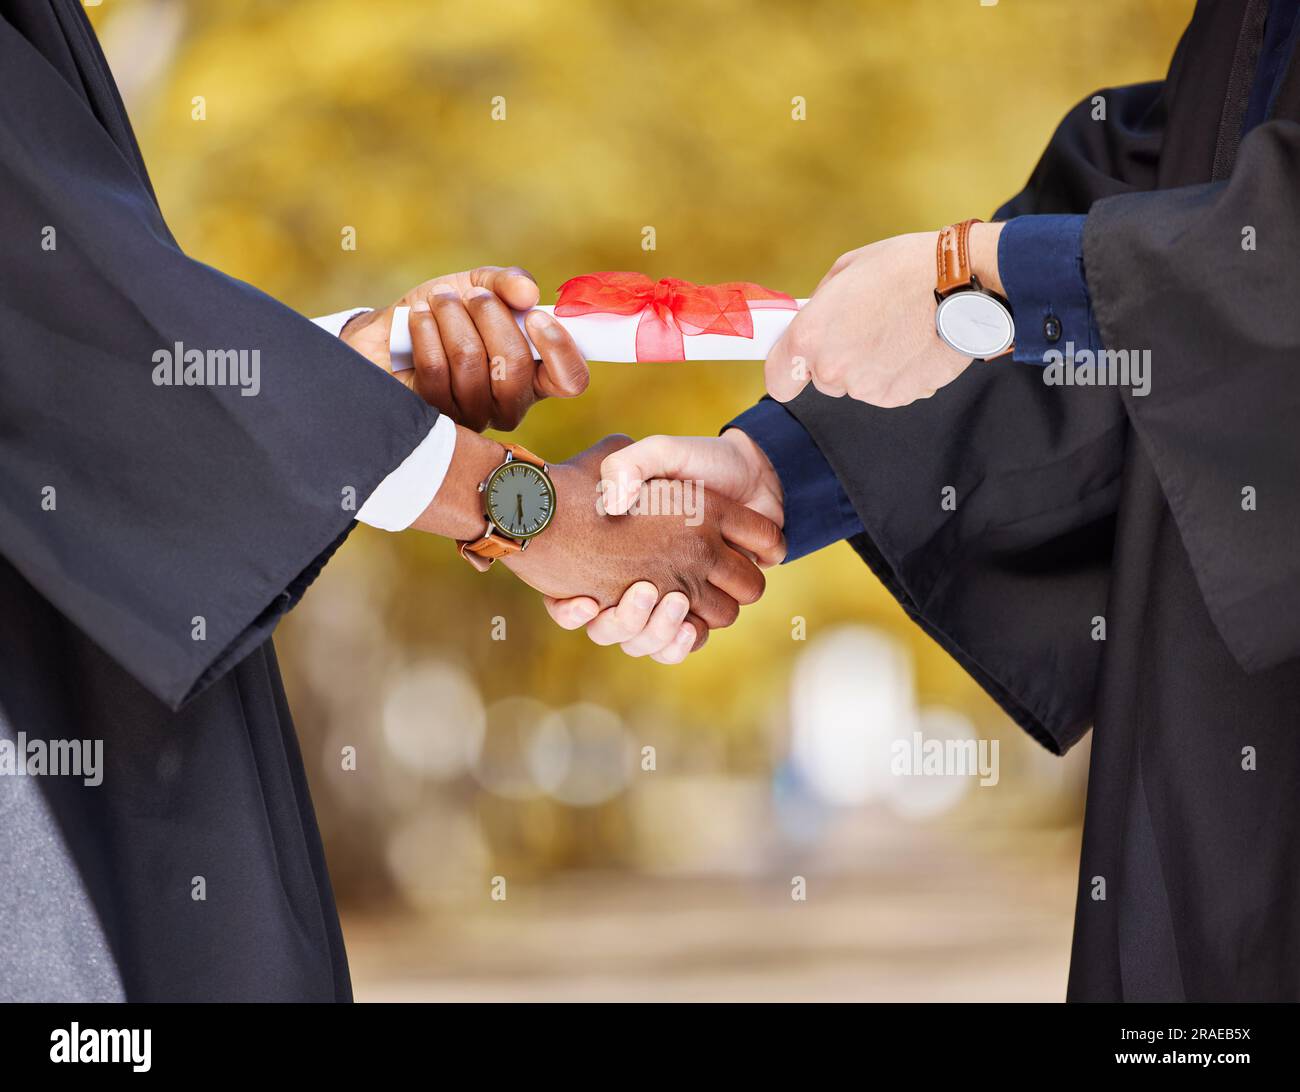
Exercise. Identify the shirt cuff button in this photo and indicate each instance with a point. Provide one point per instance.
(1052, 329)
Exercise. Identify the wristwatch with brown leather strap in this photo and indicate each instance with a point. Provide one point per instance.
(518, 504)
(969, 318)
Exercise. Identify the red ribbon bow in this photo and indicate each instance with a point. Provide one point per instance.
(669, 308)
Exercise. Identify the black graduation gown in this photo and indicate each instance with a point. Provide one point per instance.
(169, 505)
(1077, 503)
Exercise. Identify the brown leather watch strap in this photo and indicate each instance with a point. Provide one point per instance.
(481, 552)
(953, 258)
(518, 451)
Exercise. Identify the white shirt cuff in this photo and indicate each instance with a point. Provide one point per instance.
(399, 499)
(333, 324)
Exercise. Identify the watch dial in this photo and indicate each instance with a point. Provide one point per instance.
(975, 324)
(520, 499)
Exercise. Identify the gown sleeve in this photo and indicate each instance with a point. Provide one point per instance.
(989, 509)
(172, 524)
(1091, 156)
(1207, 279)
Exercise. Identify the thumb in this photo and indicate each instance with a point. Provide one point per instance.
(514, 285)
(624, 472)
(785, 372)
(599, 451)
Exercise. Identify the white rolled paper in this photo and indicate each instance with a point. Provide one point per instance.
(612, 338)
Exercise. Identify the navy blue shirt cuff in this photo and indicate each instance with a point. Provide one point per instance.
(817, 510)
(1040, 261)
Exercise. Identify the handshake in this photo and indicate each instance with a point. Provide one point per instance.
(651, 569)
(594, 534)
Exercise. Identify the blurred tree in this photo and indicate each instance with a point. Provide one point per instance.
(758, 139)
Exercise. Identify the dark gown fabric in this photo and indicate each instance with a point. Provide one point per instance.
(1076, 504)
(170, 504)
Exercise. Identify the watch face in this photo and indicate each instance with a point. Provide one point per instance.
(520, 499)
(975, 323)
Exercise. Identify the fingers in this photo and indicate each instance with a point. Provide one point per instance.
(651, 626)
(466, 357)
(714, 606)
(432, 379)
(510, 371)
(563, 372)
(644, 625)
(701, 631)
(746, 530)
(628, 617)
(830, 385)
(665, 631)
(789, 366)
(666, 627)
(571, 613)
(514, 285)
(683, 643)
(786, 371)
(738, 577)
(472, 360)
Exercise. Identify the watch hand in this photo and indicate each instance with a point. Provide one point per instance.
(519, 507)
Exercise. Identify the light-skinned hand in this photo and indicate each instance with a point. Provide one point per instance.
(731, 466)
(668, 576)
(868, 330)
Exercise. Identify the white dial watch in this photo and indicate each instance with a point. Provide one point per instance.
(968, 318)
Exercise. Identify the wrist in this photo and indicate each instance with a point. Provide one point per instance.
(983, 248)
(764, 493)
(348, 325)
(456, 510)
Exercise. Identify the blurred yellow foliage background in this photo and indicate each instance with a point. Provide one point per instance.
(333, 114)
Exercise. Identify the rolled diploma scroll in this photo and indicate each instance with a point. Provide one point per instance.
(612, 338)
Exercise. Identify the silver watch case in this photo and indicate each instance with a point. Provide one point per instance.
(974, 322)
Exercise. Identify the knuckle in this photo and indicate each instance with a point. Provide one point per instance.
(468, 352)
(430, 365)
(649, 451)
(661, 633)
(519, 361)
(833, 370)
(753, 591)
(603, 631)
(701, 553)
(798, 347)
(685, 577)
(728, 611)
(444, 299)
